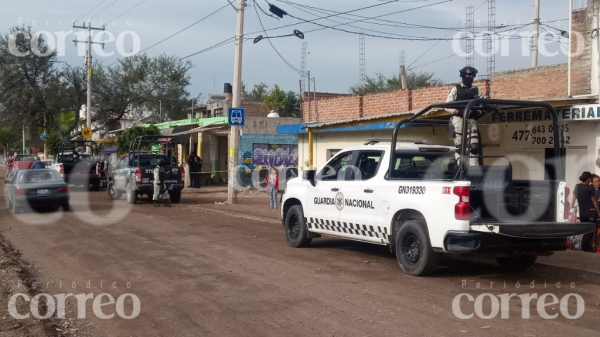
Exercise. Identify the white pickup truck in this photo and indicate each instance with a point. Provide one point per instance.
(419, 201)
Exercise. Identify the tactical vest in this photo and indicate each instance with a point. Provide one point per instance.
(466, 94)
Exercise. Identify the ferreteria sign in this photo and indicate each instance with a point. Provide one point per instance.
(573, 113)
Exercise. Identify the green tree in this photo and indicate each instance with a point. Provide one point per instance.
(287, 103)
(380, 82)
(8, 139)
(129, 135)
(257, 94)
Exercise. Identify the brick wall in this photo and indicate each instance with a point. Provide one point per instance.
(255, 109)
(383, 103)
(333, 109)
(378, 104)
(581, 63)
(530, 84)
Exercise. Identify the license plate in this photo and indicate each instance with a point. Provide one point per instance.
(41, 192)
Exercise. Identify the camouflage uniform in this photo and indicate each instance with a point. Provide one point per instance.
(473, 145)
(159, 184)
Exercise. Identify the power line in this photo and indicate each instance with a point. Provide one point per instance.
(184, 29)
(435, 44)
(273, 46)
(105, 8)
(220, 44)
(345, 23)
(372, 35)
(127, 11)
(86, 13)
(329, 16)
(389, 23)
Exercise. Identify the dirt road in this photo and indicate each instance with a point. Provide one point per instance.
(201, 268)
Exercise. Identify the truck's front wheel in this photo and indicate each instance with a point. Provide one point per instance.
(295, 228)
(518, 263)
(413, 249)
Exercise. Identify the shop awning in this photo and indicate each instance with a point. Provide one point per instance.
(185, 130)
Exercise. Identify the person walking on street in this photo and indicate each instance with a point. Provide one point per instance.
(38, 164)
(588, 207)
(273, 187)
(197, 169)
(159, 184)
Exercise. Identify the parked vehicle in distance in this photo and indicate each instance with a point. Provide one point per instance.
(76, 166)
(19, 162)
(36, 188)
(134, 173)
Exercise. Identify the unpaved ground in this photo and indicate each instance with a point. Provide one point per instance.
(202, 268)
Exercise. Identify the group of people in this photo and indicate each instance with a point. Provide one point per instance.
(195, 163)
(587, 195)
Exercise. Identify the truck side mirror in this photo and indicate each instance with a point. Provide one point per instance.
(310, 176)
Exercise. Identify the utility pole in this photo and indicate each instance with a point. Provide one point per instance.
(234, 137)
(45, 136)
(308, 75)
(403, 83)
(536, 34)
(23, 138)
(88, 63)
(315, 99)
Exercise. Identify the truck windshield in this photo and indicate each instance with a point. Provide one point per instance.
(424, 166)
(24, 158)
(150, 160)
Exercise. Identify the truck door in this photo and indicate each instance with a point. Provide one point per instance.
(357, 215)
(119, 174)
(325, 199)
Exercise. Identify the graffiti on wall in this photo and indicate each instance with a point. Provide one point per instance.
(284, 157)
(275, 155)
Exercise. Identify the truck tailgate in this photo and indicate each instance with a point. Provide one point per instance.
(538, 230)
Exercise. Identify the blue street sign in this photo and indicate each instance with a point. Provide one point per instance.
(237, 117)
(43, 136)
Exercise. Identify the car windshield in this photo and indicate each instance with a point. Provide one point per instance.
(24, 158)
(38, 176)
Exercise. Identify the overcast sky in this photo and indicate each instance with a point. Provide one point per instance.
(333, 55)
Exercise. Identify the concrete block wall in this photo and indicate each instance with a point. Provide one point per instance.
(284, 158)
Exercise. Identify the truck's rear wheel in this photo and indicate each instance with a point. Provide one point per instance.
(518, 263)
(175, 196)
(413, 249)
(131, 194)
(112, 191)
(295, 228)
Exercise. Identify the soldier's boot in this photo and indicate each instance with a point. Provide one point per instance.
(167, 203)
(156, 203)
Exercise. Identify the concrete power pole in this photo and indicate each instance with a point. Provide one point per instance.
(536, 34)
(403, 84)
(88, 63)
(235, 103)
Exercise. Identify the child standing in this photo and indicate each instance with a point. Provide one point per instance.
(273, 187)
